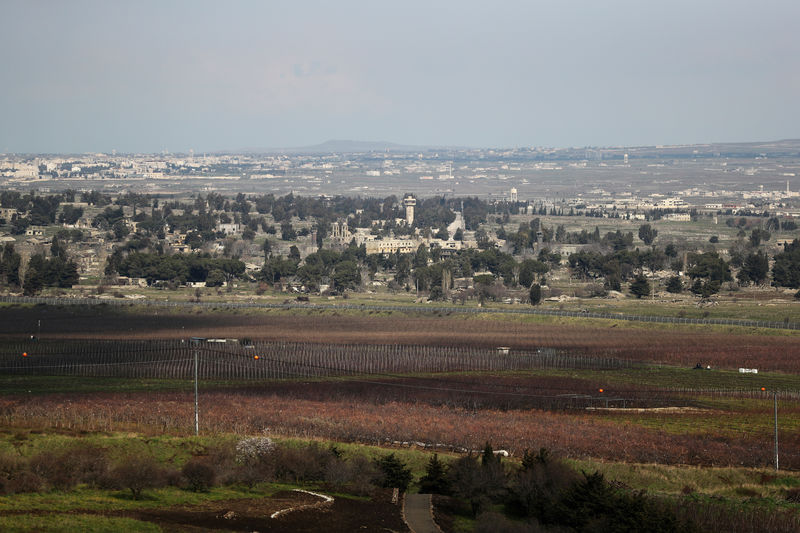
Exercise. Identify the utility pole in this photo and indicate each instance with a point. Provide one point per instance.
(775, 411)
(196, 399)
(196, 341)
(775, 404)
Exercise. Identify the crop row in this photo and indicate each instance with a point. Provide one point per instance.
(438, 427)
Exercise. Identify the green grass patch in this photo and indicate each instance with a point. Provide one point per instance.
(22, 385)
(164, 448)
(731, 483)
(105, 500)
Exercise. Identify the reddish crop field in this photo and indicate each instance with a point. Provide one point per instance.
(568, 433)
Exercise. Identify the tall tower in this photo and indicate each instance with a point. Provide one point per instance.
(513, 196)
(409, 202)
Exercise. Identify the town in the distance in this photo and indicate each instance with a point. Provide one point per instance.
(437, 224)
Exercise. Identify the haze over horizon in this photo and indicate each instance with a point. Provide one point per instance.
(96, 76)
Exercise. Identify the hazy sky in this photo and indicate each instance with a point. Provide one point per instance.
(147, 76)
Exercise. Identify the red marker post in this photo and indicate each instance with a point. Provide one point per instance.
(601, 392)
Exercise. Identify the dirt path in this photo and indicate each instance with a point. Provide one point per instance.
(418, 515)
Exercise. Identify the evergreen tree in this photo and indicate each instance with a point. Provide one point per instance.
(674, 284)
(9, 266)
(536, 294)
(34, 275)
(754, 269)
(786, 270)
(435, 480)
(395, 473)
(640, 286)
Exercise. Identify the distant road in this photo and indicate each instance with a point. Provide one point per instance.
(404, 308)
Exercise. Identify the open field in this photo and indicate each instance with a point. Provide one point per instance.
(719, 347)
(619, 398)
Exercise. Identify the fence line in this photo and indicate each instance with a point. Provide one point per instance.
(58, 301)
(172, 359)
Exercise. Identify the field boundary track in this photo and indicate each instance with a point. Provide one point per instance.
(403, 308)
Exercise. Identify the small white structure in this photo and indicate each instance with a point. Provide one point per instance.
(229, 228)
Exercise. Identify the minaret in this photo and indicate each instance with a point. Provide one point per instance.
(409, 202)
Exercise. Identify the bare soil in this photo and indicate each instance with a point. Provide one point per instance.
(343, 515)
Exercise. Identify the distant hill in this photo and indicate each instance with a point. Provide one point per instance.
(342, 145)
(347, 146)
(786, 147)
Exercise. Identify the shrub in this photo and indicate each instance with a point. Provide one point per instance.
(254, 449)
(24, 481)
(792, 495)
(78, 464)
(539, 484)
(199, 474)
(337, 474)
(496, 523)
(222, 458)
(14, 476)
(306, 463)
(356, 475)
(477, 483)
(255, 460)
(10, 465)
(138, 473)
(49, 467)
(593, 505)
